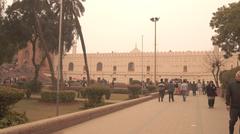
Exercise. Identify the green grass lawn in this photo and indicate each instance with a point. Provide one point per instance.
(37, 110)
(119, 97)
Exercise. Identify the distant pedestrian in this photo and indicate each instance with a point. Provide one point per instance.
(113, 83)
(184, 89)
(84, 83)
(211, 93)
(194, 88)
(171, 89)
(162, 88)
(233, 101)
(199, 87)
(204, 86)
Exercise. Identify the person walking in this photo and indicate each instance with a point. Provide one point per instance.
(199, 87)
(194, 88)
(162, 88)
(211, 93)
(233, 101)
(184, 89)
(171, 89)
(204, 86)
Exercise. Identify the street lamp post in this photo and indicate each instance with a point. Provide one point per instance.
(59, 58)
(142, 66)
(155, 19)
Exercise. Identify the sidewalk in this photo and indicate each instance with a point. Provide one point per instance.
(153, 117)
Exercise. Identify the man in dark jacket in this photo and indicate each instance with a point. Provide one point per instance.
(194, 88)
(171, 88)
(233, 101)
(162, 88)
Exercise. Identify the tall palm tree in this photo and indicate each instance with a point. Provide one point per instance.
(76, 10)
(72, 11)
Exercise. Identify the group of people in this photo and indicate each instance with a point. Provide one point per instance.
(232, 95)
(12, 80)
(184, 87)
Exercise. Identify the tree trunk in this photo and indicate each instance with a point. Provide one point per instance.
(53, 79)
(84, 55)
(44, 44)
(34, 61)
(79, 30)
(36, 66)
(217, 76)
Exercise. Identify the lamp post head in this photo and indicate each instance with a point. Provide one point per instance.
(154, 19)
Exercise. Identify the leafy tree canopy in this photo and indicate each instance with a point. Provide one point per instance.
(226, 24)
(18, 26)
(12, 37)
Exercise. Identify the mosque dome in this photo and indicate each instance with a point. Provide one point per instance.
(135, 50)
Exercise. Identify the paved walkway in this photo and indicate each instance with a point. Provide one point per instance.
(153, 117)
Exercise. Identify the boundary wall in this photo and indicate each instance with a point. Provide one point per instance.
(53, 124)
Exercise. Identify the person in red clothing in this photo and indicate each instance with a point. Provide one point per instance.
(233, 102)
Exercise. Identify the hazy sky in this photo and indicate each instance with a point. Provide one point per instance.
(117, 25)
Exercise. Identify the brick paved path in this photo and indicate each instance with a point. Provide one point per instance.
(153, 117)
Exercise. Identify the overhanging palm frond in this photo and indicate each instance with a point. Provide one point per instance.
(78, 7)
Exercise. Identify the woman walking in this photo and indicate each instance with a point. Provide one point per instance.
(211, 93)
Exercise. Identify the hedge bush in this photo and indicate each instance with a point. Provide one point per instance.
(120, 85)
(151, 88)
(135, 82)
(134, 91)
(12, 119)
(107, 93)
(64, 97)
(29, 86)
(8, 97)
(72, 88)
(145, 91)
(34, 86)
(83, 93)
(95, 93)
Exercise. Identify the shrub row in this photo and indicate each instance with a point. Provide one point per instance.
(134, 91)
(94, 94)
(64, 97)
(8, 97)
(151, 88)
(12, 119)
(29, 86)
